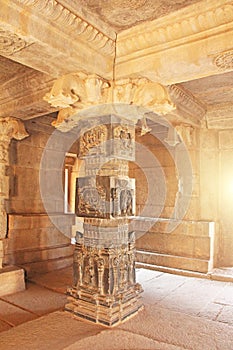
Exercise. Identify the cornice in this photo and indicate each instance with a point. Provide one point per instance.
(186, 102)
(182, 25)
(73, 24)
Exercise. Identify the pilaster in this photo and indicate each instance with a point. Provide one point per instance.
(9, 128)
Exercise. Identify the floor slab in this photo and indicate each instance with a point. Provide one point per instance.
(37, 299)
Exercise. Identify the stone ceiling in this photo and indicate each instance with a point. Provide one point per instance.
(216, 90)
(123, 14)
(23, 85)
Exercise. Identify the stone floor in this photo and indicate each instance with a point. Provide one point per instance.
(180, 313)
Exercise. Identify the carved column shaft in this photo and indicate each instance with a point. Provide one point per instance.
(105, 290)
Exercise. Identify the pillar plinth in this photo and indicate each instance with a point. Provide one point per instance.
(104, 288)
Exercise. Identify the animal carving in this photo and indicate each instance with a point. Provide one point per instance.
(66, 91)
(76, 88)
(153, 96)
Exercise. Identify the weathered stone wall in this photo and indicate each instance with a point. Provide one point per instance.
(194, 243)
(34, 241)
(226, 197)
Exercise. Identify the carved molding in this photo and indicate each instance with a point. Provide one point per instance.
(75, 25)
(224, 60)
(11, 43)
(75, 92)
(172, 28)
(186, 102)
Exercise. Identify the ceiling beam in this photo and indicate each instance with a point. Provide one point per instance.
(22, 96)
(189, 44)
(50, 38)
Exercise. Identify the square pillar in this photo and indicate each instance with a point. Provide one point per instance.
(104, 288)
(11, 277)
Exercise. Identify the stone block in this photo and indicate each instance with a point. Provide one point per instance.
(35, 238)
(27, 180)
(202, 247)
(3, 225)
(226, 139)
(47, 265)
(209, 139)
(177, 262)
(11, 280)
(28, 157)
(29, 256)
(179, 245)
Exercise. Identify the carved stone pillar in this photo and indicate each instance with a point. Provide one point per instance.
(9, 128)
(105, 290)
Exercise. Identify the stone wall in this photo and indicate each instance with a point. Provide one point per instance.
(226, 197)
(193, 243)
(34, 240)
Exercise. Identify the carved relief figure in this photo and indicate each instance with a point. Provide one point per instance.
(100, 267)
(123, 134)
(89, 277)
(90, 198)
(93, 141)
(126, 202)
(77, 268)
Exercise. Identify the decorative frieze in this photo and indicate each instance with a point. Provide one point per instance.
(173, 28)
(72, 23)
(105, 290)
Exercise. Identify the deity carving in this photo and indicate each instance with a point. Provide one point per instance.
(93, 141)
(100, 267)
(123, 197)
(90, 198)
(77, 268)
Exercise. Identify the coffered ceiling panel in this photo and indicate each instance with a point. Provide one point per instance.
(122, 14)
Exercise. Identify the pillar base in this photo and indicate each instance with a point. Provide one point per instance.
(12, 280)
(105, 310)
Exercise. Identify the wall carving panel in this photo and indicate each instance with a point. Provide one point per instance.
(105, 197)
(224, 60)
(11, 43)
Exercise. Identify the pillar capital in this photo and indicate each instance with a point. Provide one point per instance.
(73, 93)
(12, 128)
